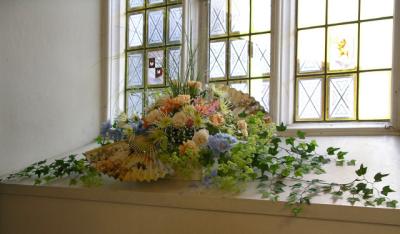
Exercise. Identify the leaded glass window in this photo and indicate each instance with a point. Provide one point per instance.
(343, 60)
(240, 46)
(154, 40)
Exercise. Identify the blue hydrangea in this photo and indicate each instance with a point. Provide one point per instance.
(138, 127)
(221, 143)
(105, 128)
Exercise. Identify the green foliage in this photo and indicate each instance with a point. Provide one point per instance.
(78, 170)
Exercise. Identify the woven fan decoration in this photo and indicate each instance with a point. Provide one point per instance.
(131, 160)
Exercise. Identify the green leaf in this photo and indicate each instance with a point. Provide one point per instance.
(392, 204)
(353, 200)
(299, 172)
(386, 190)
(290, 141)
(332, 150)
(361, 171)
(340, 163)
(379, 201)
(361, 186)
(301, 134)
(296, 186)
(378, 177)
(351, 162)
(281, 127)
(341, 154)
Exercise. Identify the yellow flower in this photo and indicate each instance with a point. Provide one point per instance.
(201, 137)
(217, 119)
(188, 148)
(179, 119)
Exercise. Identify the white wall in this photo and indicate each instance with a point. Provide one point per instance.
(51, 77)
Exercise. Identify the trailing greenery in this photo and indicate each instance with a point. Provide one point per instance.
(76, 170)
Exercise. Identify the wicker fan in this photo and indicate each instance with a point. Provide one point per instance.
(133, 160)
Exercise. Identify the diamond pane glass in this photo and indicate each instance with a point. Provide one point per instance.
(153, 95)
(155, 68)
(376, 48)
(217, 59)
(376, 8)
(261, 56)
(309, 106)
(239, 57)
(240, 16)
(135, 104)
(308, 8)
(152, 2)
(240, 85)
(260, 91)
(311, 50)
(342, 11)
(218, 12)
(136, 3)
(175, 24)
(341, 97)
(135, 69)
(136, 30)
(155, 22)
(261, 15)
(174, 63)
(342, 47)
(378, 105)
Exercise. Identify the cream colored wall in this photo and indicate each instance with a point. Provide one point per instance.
(50, 77)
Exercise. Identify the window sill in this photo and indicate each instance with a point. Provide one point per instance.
(343, 129)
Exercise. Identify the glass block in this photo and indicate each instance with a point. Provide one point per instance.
(174, 62)
(136, 3)
(261, 55)
(309, 99)
(155, 22)
(342, 47)
(240, 85)
(341, 97)
(135, 69)
(376, 8)
(153, 2)
(342, 11)
(136, 30)
(240, 16)
(375, 95)
(153, 94)
(314, 8)
(155, 67)
(218, 15)
(239, 57)
(217, 59)
(175, 24)
(261, 15)
(135, 104)
(376, 48)
(311, 50)
(260, 91)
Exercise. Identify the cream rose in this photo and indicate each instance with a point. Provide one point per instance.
(201, 137)
(179, 120)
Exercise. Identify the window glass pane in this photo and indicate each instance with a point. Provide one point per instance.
(240, 16)
(174, 62)
(311, 50)
(155, 71)
(152, 2)
(376, 48)
(239, 57)
(342, 47)
(261, 56)
(136, 3)
(342, 97)
(375, 95)
(155, 22)
(175, 24)
(135, 69)
(218, 11)
(217, 59)
(135, 103)
(376, 8)
(261, 15)
(240, 85)
(342, 11)
(260, 91)
(153, 95)
(136, 30)
(311, 13)
(309, 106)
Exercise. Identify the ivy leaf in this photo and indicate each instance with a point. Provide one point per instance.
(296, 186)
(340, 163)
(332, 150)
(351, 162)
(392, 204)
(341, 154)
(386, 190)
(362, 171)
(353, 200)
(290, 141)
(281, 127)
(378, 177)
(301, 134)
(379, 201)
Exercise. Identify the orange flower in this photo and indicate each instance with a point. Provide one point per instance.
(217, 119)
(188, 147)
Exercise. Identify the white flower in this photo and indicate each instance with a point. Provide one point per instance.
(201, 137)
